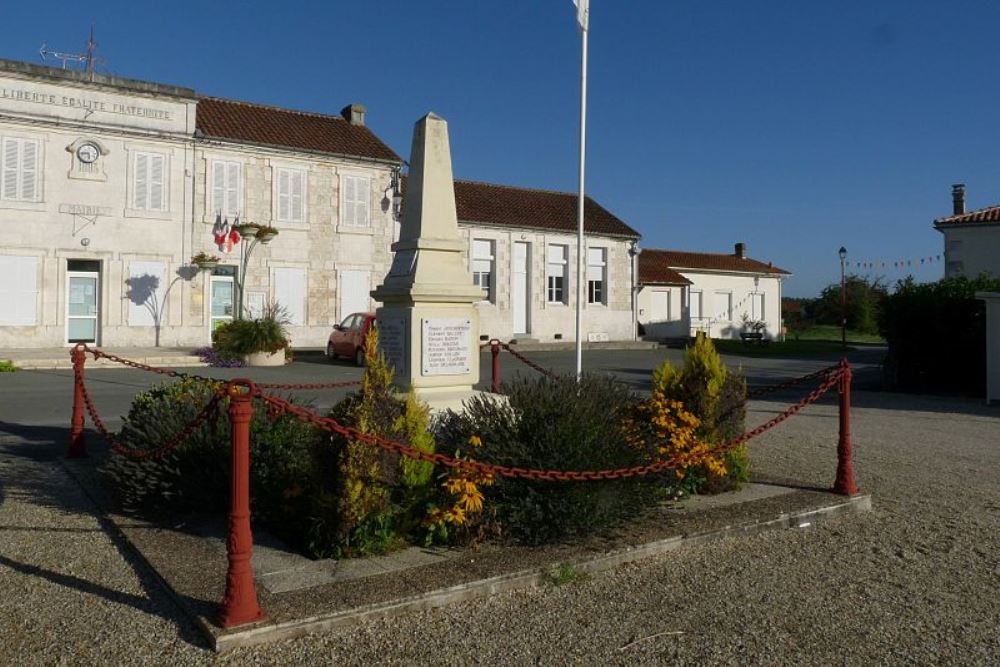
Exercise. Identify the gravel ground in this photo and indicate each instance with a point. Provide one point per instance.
(913, 581)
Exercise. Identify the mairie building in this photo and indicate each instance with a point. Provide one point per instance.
(110, 186)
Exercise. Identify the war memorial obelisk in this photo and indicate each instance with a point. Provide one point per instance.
(428, 323)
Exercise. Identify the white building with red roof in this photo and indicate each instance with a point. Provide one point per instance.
(971, 238)
(723, 295)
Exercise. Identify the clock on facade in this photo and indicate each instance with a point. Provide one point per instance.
(87, 153)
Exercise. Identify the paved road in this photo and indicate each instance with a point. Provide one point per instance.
(43, 398)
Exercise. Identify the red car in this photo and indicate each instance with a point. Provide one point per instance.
(349, 337)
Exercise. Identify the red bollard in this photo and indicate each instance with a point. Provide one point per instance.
(844, 483)
(77, 447)
(495, 351)
(240, 606)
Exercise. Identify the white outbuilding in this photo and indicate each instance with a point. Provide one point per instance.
(724, 295)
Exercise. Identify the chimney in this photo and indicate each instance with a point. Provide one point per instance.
(355, 114)
(741, 250)
(958, 199)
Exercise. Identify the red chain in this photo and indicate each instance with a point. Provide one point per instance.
(142, 454)
(282, 406)
(528, 362)
(98, 354)
(762, 391)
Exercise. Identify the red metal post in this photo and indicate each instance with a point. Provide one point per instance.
(844, 483)
(77, 447)
(495, 351)
(240, 606)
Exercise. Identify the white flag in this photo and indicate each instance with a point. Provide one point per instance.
(582, 13)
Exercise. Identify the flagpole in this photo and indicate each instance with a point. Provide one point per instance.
(580, 201)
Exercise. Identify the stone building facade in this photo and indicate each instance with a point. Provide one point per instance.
(110, 186)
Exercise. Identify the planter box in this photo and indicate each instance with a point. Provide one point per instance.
(266, 358)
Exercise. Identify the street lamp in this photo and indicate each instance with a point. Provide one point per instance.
(843, 299)
(255, 234)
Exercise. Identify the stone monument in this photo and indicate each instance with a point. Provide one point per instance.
(428, 323)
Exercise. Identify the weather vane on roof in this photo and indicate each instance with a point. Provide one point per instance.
(88, 59)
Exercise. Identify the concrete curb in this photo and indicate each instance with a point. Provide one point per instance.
(250, 636)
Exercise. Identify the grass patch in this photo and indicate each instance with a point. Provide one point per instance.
(565, 574)
(829, 332)
(7, 366)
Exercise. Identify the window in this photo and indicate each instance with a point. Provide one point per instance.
(290, 292)
(757, 306)
(955, 268)
(695, 306)
(482, 267)
(355, 200)
(597, 275)
(148, 173)
(18, 290)
(227, 188)
(556, 273)
(289, 192)
(20, 169)
(724, 306)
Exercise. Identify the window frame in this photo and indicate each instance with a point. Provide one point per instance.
(133, 172)
(36, 185)
(224, 212)
(602, 296)
(727, 316)
(276, 175)
(490, 258)
(550, 288)
(351, 223)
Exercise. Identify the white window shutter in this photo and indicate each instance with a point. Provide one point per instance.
(295, 194)
(290, 292)
(232, 188)
(140, 188)
(18, 290)
(155, 181)
(218, 187)
(29, 170)
(10, 160)
(361, 194)
(284, 193)
(348, 198)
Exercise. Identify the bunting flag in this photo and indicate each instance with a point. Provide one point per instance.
(894, 264)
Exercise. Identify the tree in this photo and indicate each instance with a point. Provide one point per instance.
(863, 302)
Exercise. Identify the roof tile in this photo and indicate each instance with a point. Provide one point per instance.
(988, 214)
(272, 126)
(651, 259)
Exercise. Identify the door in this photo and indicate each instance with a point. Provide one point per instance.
(223, 291)
(354, 289)
(519, 287)
(659, 306)
(82, 313)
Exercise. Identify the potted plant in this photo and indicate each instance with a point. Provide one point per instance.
(261, 341)
(247, 230)
(265, 233)
(204, 261)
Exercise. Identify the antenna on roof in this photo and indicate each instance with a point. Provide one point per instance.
(87, 60)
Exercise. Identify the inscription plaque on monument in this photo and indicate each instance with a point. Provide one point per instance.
(392, 341)
(446, 346)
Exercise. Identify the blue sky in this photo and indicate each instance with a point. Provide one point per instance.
(796, 127)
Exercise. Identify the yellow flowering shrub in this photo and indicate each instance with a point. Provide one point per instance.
(462, 488)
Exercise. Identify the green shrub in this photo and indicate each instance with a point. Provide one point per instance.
(717, 397)
(7, 366)
(555, 424)
(373, 499)
(936, 334)
(195, 475)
